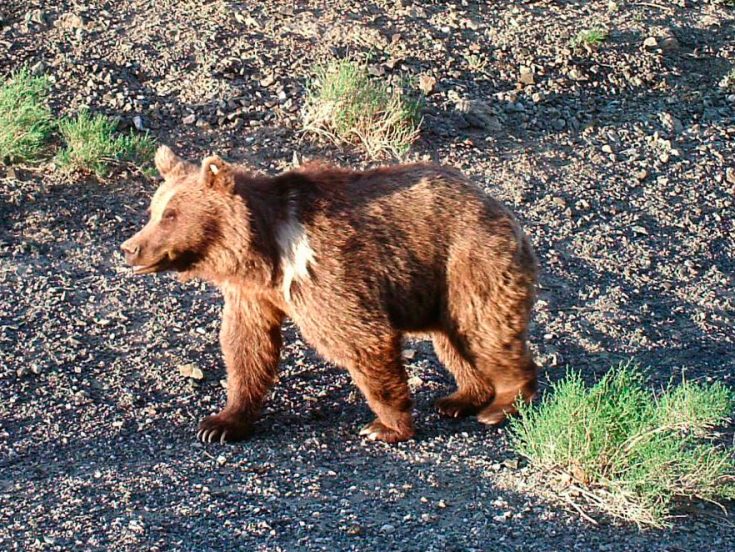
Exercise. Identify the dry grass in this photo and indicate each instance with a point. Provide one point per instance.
(347, 105)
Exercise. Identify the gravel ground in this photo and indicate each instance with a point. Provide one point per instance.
(620, 161)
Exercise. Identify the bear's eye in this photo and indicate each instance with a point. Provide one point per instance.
(169, 215)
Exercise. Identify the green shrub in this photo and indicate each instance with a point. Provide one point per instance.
(347, 105)
(633, 453)
(589, 37)
(92, 145)
(25, 118)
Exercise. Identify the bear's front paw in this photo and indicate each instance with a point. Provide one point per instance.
(377, 431)
(222, 429)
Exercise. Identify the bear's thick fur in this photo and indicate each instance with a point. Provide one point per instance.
(356, 260)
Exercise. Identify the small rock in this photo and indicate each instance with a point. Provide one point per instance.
(191, 371)
(478, 114)
(267, 81)
(607, 148)
(650, 43)
(189, 119)
(670, 123)
(577, 75)
(427, 84)
(505, 516)
(138, 123)
(559, 124)
(526, 75)
(730, 175)
(408, 354)
(387, 528)
(669, 42)
(36, 16)
(641, 174)
(70, 21)
(559, 202)
(38, 69)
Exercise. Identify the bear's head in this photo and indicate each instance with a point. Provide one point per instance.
(185, 216)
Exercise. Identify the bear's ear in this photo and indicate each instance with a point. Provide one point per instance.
(168, 163)
(218, 175)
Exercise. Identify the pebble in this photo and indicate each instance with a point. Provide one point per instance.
(526, 75)
(427, 83)
(191, 371)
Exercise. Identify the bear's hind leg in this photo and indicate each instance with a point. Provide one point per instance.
(380, 375)
(514, 379)
(505, 361)
(473, 391)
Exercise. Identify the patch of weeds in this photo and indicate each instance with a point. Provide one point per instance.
(728, 81)
(347, 105)
(476, 62)
(25, 118)
(92, 145)
(589, 38)
(631, 453)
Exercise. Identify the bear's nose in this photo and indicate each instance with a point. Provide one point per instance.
(131, 250)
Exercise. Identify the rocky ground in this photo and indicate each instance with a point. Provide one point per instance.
(619, 159)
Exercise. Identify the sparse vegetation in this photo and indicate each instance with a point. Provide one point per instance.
(476, 62)
(345, 104)
(631, 453)
(25, 118)
(728, 81)
(93, 145)
(589, 38)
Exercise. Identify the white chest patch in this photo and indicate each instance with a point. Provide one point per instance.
(296, 254)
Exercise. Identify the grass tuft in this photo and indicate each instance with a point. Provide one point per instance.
(25, 118)
(633, 453)
(589, 37)
(348, 106)
(92, 145)
(728, 81)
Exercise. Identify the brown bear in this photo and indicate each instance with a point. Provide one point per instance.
(356, 259)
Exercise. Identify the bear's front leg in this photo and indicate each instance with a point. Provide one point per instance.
(251, 344)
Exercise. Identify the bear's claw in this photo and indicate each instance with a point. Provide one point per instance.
(218, 429)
